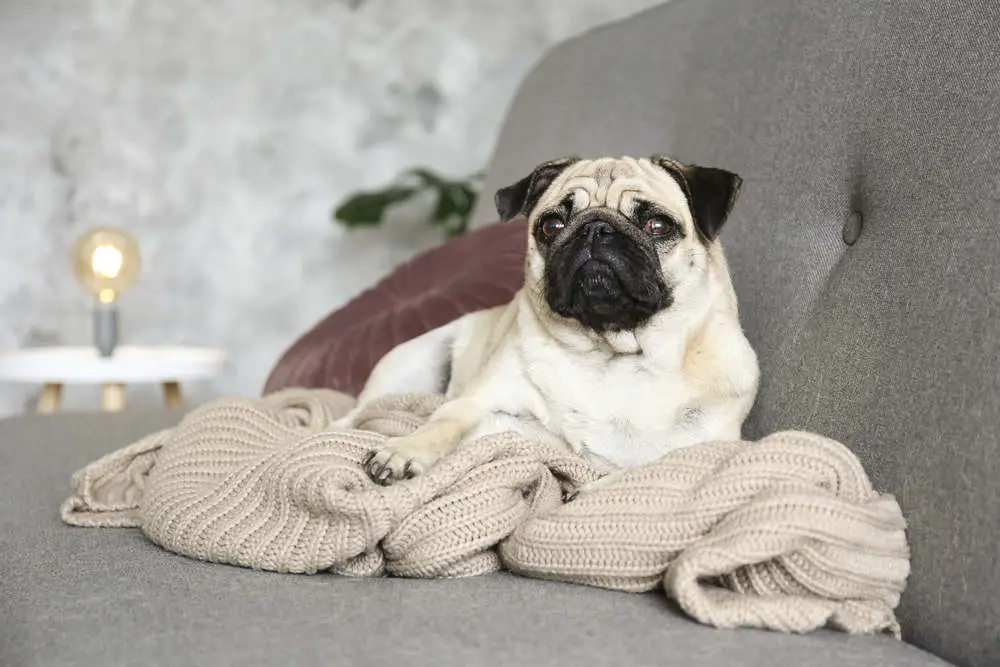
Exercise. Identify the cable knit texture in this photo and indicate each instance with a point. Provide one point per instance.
(784, 533)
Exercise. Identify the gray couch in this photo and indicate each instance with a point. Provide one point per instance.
(864, 251)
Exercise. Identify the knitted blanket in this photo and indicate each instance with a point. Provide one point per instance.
(783, 533)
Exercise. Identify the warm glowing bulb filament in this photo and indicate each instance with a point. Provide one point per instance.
(106, 261)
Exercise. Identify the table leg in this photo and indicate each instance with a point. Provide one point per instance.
(172, 395)
(50, 398)
(113, 398)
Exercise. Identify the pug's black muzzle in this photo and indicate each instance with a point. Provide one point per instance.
(605, 274)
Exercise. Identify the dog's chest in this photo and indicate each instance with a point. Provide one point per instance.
(625, 412)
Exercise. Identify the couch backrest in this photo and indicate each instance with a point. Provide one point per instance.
(874, 122)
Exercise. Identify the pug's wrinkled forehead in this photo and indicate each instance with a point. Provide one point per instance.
(699, 198)
(619, 184)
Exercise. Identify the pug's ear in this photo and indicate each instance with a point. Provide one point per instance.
(519, 198)
(711, 193)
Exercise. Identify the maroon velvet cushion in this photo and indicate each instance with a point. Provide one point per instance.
(480, 269)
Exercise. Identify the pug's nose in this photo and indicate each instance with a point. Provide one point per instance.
(598, 231)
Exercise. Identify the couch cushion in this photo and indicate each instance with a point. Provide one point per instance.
(890, 345)
(479, 270)
(79, 596)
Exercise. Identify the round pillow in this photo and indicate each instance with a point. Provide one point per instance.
(480, 269)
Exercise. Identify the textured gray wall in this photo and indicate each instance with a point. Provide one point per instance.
(221, 133)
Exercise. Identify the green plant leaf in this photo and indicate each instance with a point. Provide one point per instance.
(466, 198)
(455, 200)
(445, 207)
(456, 227)
(367, 209)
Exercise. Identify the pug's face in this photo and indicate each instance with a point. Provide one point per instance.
(614, 241)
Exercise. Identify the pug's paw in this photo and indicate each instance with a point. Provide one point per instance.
(399, 458)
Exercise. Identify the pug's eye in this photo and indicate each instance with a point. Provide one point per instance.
(552, 226)
(658, 226)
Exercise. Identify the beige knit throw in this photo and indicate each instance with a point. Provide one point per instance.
(783, 533)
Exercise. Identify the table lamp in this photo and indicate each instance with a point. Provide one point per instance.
(106, 262)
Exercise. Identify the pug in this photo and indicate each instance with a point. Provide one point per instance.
(624, 342)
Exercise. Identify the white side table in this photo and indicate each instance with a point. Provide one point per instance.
(53, 367)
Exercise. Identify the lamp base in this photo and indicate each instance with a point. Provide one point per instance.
(106, 328)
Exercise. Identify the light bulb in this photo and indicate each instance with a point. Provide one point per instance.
(106, 261)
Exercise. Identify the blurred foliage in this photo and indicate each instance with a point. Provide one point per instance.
(454, 201)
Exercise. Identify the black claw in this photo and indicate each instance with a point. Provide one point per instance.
(368, 457)
(385, 474)
(408, 471)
